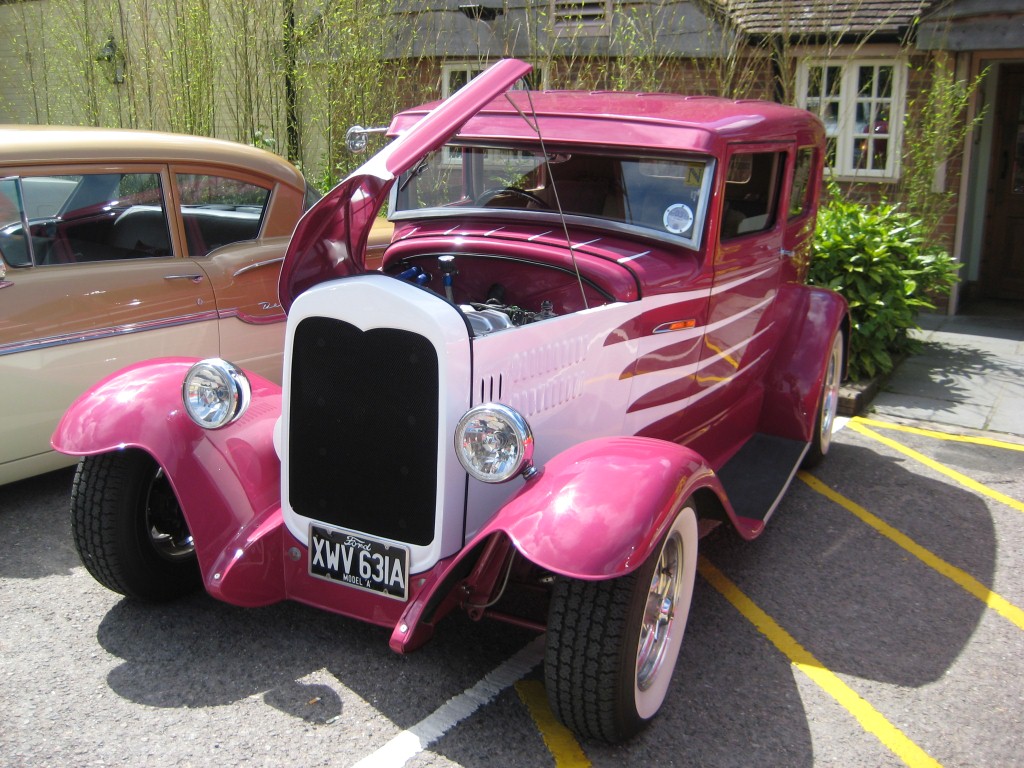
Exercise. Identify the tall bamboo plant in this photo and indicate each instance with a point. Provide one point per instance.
(344, 76)
(935, 129)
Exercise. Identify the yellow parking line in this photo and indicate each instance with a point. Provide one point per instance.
(940, 435)
(999, 604)
(560, 741)
(964, 480)
(870, 718)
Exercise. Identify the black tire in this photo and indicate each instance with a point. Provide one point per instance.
(129, 529)
(596, 681)
(828, 404)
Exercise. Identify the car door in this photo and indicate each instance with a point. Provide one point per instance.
(222, 214)
(95, 281)
(748, 269)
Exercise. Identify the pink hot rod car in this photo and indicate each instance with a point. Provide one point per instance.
(589, 343)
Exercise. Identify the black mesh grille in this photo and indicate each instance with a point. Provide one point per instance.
(363, 431)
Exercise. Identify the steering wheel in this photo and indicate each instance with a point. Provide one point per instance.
(489, 194)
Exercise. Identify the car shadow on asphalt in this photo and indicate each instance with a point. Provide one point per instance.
(860, 603)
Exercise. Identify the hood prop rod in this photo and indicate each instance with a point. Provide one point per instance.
(535, 126)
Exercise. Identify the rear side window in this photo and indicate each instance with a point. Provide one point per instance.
(219, 211)
(752, 187)
(799, 200)
(85, 218)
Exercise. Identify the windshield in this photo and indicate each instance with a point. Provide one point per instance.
(666, 196)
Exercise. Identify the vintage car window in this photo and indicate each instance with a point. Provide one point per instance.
(751, 193)
(311, 197)
(219, 211)
(74, 218)
(14, 243)
(667, 196)
(798, 194)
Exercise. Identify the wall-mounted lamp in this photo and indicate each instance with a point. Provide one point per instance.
(111, 54)
(478, 12)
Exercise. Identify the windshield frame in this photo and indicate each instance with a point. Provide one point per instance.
(442, 157)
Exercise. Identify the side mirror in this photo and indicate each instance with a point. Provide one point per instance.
(356, 136)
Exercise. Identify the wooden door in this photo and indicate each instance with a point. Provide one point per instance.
(1002, 266)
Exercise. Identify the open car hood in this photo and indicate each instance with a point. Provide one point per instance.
(330, 239)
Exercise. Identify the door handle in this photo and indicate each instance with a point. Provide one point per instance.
(786, 253)
(193, 278)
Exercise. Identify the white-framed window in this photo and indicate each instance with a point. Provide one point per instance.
(457, 74)
(454, 76)
(861, 103)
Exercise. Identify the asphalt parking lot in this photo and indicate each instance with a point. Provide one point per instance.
(877, 622)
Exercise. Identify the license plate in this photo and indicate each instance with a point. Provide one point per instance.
(359, 561)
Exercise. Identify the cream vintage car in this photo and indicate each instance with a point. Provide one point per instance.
(121, 245)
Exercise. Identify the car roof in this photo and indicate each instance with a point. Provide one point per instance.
(660, 121)
(22, 145)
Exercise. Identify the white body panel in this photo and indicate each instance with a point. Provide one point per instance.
(375, 301)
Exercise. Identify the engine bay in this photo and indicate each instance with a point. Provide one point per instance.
(496, 292)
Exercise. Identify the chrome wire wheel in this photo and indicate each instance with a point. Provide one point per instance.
(165, 524)
(830, 394)
(666, 609)
(828, 405)
(656, 630)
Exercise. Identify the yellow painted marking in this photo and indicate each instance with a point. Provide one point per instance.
(999, 604)
(940, 435)
(870, 718)
(560, 741)
(963, 479)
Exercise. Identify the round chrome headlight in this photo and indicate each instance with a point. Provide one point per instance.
(215, 393)
(494, 443)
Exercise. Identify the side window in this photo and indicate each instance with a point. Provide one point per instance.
(218, 211)
(751, 193)
(87, 217)
(798, 195)
(13, 239)
(310, 198)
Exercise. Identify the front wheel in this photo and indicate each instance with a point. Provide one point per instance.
(612, 645)
(129, 529)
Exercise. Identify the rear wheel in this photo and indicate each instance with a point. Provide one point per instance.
(828, 404)
(612, 645)
(129, 529)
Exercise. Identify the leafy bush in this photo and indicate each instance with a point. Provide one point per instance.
(879, 258)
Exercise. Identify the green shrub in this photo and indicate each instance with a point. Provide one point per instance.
(879, 258)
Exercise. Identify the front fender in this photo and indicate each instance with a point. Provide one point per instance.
(595, 511)
(227, 481)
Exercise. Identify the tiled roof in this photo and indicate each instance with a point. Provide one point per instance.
(819, 17)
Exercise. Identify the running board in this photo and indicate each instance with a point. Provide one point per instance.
(757, 476)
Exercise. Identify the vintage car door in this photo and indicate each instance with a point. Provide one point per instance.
(748, 269)
(221, 216)
(94, 281)
(801, 207)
